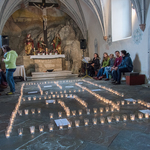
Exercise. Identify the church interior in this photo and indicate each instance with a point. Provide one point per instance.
(74, 74)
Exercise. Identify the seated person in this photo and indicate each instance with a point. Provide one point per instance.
(105, 63)
(108, 69)
(94, 66)
(3, 83)
(125, 66)
(116, 64)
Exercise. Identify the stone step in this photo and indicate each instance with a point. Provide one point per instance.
(54, 72)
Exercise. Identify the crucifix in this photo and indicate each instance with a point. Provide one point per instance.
(43, 7)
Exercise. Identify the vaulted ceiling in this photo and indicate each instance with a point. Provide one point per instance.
(74, 9)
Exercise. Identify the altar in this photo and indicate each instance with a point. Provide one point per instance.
(48, 62)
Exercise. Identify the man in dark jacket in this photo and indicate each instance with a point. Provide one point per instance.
(125, 66)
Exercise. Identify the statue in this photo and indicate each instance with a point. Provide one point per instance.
(29, 44)
(41, 45)
(57, 44)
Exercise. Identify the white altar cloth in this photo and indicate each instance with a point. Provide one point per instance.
(46, 56)
(20, 71)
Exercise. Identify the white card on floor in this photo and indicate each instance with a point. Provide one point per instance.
(96, 90)
(70, 97)
(68, 87)
(63, 122)
(145, 111)
(33, 92)
(50, 101)
(130, 99)
(80, 82)
(47, 86)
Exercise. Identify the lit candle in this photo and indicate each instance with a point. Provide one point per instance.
(39, 110)
(55, 92)
(118, 108)
(101, 109)
(33, 111)
(41, 128)
(24, 99)
(86, 122)
(148, 105)
(95, 110)
(64, 91)
(51, 126)
(45, 97)
(40, 98)
(61, 127)
(88, 111)
(80, 112)
(49, 96)
(7, 134)
(132, 117)
(20, 112)
(109, 119)
(53, 96)
(128, 102)
(74, 112)
(58, 96)
(62, 95)
(46, 102)
(26, 111)
(77, 123)
(51, 92)
(146, 115)
(59, 114)
(140, 115)
(107, 109)
(69, 125)
(139, 101)
(134, 102)
(54, 101)
(117, 118)
(122, 102)
(124, 117)
(118, 102)
(94, 121)
(32, 129)
(46, 92)
(29, 98)
(102, 120)
(112, 109)
(20, 131)
(34, 98)
(51, 115)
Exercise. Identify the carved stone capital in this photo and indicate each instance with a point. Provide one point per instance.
(142, 27)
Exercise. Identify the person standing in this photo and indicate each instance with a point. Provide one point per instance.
(10, 57)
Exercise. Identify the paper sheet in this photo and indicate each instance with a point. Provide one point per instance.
(145, 111)
(50, 101)
(47, 86)
(68, 87)
(33, 92)
(130, 99)
(63, 122)
(96, 90)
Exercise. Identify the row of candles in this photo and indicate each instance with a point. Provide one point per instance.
(13, 115)
(67, 81)
(58, 85)
(26, 111)
(86, 123)
(82, 102)
(40, 89)
(66, 109)
(143, 103)
(107, 101)
(105, 88)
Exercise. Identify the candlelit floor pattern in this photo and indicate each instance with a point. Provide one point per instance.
(129, 135)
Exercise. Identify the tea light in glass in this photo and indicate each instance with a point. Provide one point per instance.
(74, 112)
(51, 115)
(39, 110)
(118, 108)
(148, 105)
(79, 90)
(101, 109)
(55, 92)
(41, 128)
(54, 101)
(94, 121)
(32, 129)
(20, 131)
(139, 101)
(7, 134)
(145, 104)
(86, 122)
(34, 98)
(95, 110)
(124, 117)
(33, 111)
(132, 117)
(20, 112)
(64, 91)
(62, 95)
(109, 119)
(46, 102)
(122, 102)
(51, 92)
(69, 91)
(29, 98)
(77, 123)
(74, 91)
(102, 120)
(46, 92)
(53, 96)
(59, 114)
(117, 118)
(51, 127)
(146, 115)
(45, 97)
(58, 96)
(112, 109)
(107, 109)
(140, 116)
(26, 111)
(128, 102)
(118, 102)
(40, 98)
(61, 127)
(24, 99)
(80, 112)
(134, 102)
(88, 111)
(69, 125)
(49, 96)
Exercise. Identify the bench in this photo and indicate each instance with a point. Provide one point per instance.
(134, 78)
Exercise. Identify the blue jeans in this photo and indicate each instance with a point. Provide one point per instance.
(100, 72)
(106, 72)
(10, 79)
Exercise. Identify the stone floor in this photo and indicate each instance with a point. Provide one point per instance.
(110, 136)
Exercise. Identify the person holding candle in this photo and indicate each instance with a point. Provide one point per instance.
(105, 63)
(10, 57)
